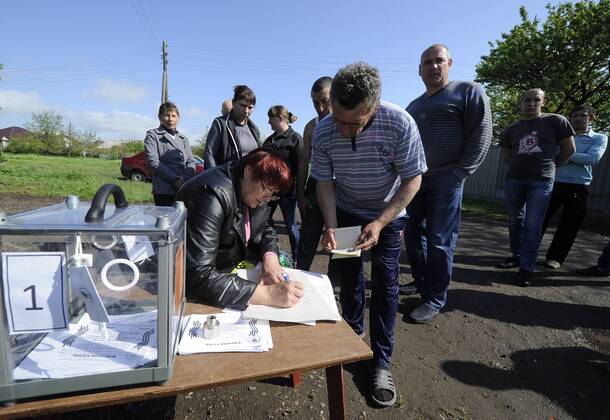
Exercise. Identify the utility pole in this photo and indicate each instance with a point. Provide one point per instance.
(164, 83)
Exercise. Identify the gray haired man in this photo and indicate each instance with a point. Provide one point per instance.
(367, 160)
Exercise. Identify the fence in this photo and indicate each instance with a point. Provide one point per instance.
(488, 181)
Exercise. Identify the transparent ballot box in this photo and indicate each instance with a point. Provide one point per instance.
(92, 295)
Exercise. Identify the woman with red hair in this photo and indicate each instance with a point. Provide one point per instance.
(228, 223)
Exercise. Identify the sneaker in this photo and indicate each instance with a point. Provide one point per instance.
(423, 314)
(524, 278)
(553, 264)
(594, 271)
(407, 289)
(510, 262)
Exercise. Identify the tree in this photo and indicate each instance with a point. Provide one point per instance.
(47, 125)
(568, 56)
(90, 141)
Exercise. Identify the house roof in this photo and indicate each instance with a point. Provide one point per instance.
(10, 132)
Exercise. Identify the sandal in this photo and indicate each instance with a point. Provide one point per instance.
(383, 392)
(510, 262)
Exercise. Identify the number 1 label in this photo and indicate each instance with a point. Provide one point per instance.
(35, 295)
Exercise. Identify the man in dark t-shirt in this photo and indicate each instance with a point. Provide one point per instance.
(530, 148)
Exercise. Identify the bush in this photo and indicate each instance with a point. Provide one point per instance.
(26, 144)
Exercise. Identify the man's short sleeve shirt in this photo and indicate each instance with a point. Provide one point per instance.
(368, 170)
(533, 146)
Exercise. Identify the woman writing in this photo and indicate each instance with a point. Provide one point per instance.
(287, 144)
(228, 223)
(168, 153)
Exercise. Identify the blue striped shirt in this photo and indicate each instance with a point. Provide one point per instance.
(455, 127)
(388, 150)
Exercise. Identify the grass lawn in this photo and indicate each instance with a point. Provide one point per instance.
(58, 176)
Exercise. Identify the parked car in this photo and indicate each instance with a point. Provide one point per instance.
(135, 167)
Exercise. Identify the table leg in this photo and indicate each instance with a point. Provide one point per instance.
(336, 392)
(296, 379)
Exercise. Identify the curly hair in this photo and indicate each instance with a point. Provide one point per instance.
(356, 83)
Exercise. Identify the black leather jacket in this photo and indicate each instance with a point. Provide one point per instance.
(216, 237)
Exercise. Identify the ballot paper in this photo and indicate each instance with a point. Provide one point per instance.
(318, 301)
(236, 334)
(346, 238)
(83, 349)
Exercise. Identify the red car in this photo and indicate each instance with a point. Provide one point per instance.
(135, 167)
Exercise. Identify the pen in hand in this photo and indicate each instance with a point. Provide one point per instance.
(285, 276)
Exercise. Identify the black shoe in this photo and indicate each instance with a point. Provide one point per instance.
(524, 278)
(407, 289)
(510, 262)
(594, 271)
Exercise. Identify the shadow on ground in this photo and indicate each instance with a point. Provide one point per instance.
(576, 378)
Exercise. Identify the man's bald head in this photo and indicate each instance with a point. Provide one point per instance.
(226, 107)
(434, 47)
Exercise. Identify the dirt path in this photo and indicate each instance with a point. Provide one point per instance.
(495, 351)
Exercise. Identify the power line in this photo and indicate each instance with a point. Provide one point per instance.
(110, 60)
(149, 26)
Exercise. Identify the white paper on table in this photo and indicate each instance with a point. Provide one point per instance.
(318, 301)
(346, 238)
(83, 350)
(236, 334)
(138, 248)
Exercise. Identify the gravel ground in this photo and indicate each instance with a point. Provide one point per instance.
(496, 350)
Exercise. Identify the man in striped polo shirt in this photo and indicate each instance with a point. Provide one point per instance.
(367, 160)
(454, 119)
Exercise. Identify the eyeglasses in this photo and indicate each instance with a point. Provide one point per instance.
(356, 125)
(269, 192)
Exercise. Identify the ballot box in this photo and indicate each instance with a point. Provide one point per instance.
(92, 295)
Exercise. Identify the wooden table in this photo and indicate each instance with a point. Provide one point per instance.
(296, 347)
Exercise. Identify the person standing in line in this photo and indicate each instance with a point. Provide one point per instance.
(312, 220)
(571, 187)
(529, 147)
(169, 155)
(454, 120)
(288, 145)
(367, 159)
(235, 135)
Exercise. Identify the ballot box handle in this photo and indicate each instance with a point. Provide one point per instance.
(98, 206)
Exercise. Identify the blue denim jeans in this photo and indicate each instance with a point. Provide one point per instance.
(431, 235)
(527, 202)
(349, 273)
(311, 229)
(603, 261)
(288, 205)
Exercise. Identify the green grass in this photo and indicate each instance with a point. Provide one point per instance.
(57, 176)
(487, 208)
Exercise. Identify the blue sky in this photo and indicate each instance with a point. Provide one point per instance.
(98, 63)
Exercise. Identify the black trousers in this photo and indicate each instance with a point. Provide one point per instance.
(573, 199)
(164, 199)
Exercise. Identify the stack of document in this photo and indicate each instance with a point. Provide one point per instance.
(129, 342)
(236, 334)
(317, 304)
